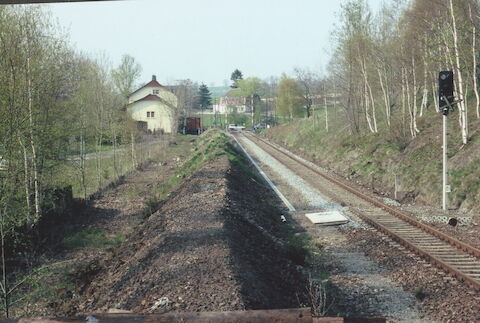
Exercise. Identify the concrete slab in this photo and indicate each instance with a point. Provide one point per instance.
(327, 218)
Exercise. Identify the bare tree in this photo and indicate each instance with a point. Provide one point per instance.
(458, 70)
(309, 82)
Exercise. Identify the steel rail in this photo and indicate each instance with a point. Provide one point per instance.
(440, 235)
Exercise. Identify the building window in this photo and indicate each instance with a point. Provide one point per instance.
(152, 114)
(156, 91)
(148, 114)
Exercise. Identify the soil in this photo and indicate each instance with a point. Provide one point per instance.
(440, 296)
(212, 246)
(116, 211)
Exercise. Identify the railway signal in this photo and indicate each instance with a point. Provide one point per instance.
(445, 106)
(445, 92)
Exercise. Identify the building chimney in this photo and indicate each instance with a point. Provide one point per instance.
(154, 77)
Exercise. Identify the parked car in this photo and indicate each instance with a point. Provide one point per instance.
(235, 127)
(260, 126)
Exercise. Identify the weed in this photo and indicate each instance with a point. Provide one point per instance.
(420, 294)
(151, 205)
(318, 296)
(46, 284)
(299, 249)
(106, 173)
(91, 238)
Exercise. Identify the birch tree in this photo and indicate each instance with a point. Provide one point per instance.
(458, 72)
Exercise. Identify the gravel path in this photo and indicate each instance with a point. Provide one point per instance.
(364, 288)
(309, 194)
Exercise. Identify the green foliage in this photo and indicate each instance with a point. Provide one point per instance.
(290, 98)
(299, 248)
(420, 293)
(237, 118)
(250, 86)
(204, 99)
(91, 238)
(125, 75)
(44, 286)
(235, 77)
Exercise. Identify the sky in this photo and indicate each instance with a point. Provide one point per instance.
(205, 40)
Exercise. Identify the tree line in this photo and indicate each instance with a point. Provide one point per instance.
(56, 105)
(383, 74)
(386, 65)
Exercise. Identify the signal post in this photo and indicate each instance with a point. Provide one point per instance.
(445, 105)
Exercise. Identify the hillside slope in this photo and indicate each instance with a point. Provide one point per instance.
(375, 160)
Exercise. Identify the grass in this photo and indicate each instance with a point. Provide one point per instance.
(210, 145)
(69, 173)
(299, 248)
(208, 120)
(43, 287)
(50, 284)
(416, 162)
(91, 238)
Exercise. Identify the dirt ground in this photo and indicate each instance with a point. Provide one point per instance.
(441, 297)
(212, 246)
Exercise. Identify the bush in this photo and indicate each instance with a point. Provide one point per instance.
(298, 249)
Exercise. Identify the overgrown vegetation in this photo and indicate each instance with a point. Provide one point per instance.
(91, 238)
(380, 160)
(42, 286)
(46, 286)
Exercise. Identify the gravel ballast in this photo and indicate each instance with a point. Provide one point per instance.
(364, 288)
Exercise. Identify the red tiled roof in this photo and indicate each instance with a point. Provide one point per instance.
(150, 97)
(152, 83)
(153, 97)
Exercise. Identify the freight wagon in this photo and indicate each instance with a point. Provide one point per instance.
(190, 126)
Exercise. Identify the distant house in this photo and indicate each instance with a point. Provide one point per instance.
(154, 105)
(231, 100)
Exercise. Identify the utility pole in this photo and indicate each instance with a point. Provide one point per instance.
(445, 167)
(215, 108)
(251, 102)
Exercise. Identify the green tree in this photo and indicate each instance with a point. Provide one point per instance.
(290, 98)
(124, 78)
(251, 88)
(204, 98)
(235, 77)
(126, 74)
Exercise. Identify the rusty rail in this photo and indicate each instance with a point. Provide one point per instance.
(435, 260)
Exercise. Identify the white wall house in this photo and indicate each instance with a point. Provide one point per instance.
(229, 100)
(154, 104)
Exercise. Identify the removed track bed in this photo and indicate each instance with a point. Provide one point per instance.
(208, 248)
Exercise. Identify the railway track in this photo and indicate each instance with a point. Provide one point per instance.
(451, 255)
